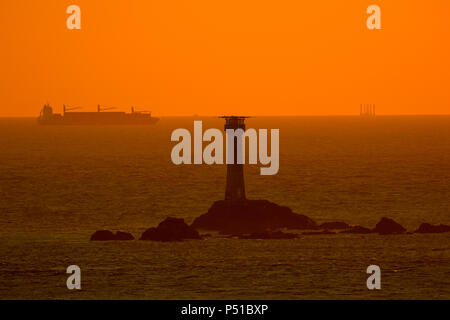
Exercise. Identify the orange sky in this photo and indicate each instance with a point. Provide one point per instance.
(252, 57)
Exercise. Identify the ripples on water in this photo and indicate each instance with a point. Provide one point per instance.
(60, 184)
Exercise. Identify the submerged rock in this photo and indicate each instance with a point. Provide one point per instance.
(338, 225)
(106, 235)
(357, 230)
(269, 235)
(171, 229)
(250, 216)
(428, 228)
(388, 226)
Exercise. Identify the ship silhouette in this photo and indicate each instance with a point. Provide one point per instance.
(101, 117)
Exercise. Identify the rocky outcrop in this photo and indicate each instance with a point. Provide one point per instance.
(250, 216)
(171, 229)
(338, 225)
(388, 226)
(277, 235)
(106, 235)
(120, 235)
(428, 228)
(357, 230)
(103, 235)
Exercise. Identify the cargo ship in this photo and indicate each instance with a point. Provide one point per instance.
(101, 117)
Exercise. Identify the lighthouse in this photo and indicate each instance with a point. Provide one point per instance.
(235, 190)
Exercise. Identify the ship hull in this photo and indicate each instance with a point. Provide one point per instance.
(74, 122)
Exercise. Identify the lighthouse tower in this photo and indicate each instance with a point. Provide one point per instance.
(235, 190)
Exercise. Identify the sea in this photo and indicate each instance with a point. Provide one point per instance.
(59, 184)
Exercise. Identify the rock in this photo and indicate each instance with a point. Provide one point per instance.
(428, 228)
(334, 225)
(269, 235)
(121, 235)
(103, 235)
(106, 235)
(388, 226)
(357, 230)
(171, 229)
(318, 233)
(250, 216)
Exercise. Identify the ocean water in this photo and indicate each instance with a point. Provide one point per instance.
(60, 184)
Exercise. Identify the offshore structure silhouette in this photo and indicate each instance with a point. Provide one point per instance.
(236, 214)
(235, 190)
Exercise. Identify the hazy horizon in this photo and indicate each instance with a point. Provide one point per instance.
(251, 115)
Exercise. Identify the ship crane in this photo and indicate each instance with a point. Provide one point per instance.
(70, 108)
(133, 110)
(100, 108)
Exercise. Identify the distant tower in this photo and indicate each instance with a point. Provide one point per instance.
(367, 110)
(235, 172)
